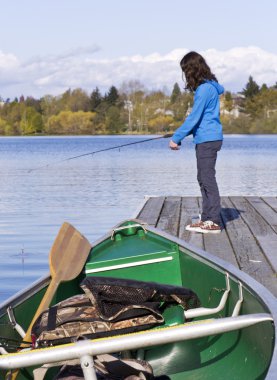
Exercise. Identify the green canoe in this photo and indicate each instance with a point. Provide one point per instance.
(230, 336)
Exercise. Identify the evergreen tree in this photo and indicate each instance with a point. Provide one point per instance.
(95, 99)
(176, 93)
(251, 89)
(264, 87)
(112, 96)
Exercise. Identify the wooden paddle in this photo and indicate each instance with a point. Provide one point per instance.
(66, 260)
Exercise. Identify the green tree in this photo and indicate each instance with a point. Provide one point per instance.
(263, 87)
(268, 98)
(160, 124)
(54, 126)
(176, 93)
(49, 106)
(228, 101)
(74, 100)
(238, 125)
(261, 105)
(95, 99)
(113, 120)
(34, 103)
(4, 127)
(73, 123)
(251, 89)
(31, 122)
(12, 113)
(112, 97)
(181, 106)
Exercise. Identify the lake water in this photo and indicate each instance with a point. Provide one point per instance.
(96, 192)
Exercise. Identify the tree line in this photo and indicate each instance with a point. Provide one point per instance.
(132, 109)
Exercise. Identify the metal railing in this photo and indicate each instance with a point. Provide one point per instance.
(84, 350)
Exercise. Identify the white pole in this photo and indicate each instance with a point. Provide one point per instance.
(88, 367)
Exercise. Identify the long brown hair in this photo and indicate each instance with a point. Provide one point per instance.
(196, 70)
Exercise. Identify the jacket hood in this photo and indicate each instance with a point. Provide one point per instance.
(219, 88)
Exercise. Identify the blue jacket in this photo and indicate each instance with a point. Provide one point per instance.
(203, 121)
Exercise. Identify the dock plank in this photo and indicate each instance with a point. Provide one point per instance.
(219, 245)
(249, 237)
(269, 215)
(150, 213)
(271, 201)
(248, 253)
(170, 215)
(190, 213)
(262, 231)
(245, 246)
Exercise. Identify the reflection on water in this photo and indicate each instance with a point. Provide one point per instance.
(96, 192)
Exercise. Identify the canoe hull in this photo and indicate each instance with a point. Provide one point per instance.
(146, 254)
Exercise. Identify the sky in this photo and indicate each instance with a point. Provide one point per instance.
(47, 47)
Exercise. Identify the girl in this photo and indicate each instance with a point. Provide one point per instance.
(203, 122)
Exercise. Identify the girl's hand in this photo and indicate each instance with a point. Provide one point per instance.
(173, 145)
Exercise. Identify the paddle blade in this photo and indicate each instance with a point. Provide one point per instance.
(68, 254)
(66, 260)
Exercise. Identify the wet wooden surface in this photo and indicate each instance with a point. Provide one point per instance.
(248, 239)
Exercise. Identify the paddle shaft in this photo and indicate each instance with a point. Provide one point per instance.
(44, 304)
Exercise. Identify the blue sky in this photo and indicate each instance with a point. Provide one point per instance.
(49, 46)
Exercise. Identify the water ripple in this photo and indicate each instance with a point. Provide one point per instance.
(96, 192)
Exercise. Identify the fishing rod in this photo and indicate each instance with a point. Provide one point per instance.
(102, 150)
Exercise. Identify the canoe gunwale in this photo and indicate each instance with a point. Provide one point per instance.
(268, 299)
(257, 289)
(24, 294)
(143, 339)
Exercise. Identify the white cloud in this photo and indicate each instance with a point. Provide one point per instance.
(234, 66)
(80, 68)
(8, 61)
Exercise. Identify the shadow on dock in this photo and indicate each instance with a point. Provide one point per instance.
(229, 214)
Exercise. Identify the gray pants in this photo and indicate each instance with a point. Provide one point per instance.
(206, 155)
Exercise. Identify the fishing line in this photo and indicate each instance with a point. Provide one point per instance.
(101, 150)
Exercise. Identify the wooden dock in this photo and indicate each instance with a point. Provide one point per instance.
(249, 237)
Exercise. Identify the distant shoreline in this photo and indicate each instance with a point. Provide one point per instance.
(128, 135)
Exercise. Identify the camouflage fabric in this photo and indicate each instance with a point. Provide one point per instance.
(110, 306)
(76, 317)
(109, 367)
(131, 369)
